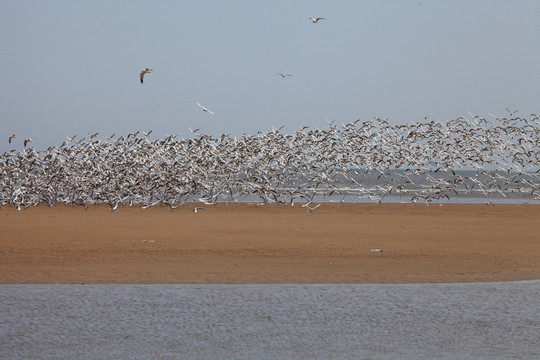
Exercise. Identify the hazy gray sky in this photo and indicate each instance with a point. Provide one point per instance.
(72, 67)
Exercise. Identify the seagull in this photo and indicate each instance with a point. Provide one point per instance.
(316, 20)
(284, 75)
(310, 209)
(114, 205)
(26, 141)
(195, 210)
(205, 109)
(145, 71)
(12, 137)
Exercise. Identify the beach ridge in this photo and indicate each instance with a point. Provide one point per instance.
(245, 243)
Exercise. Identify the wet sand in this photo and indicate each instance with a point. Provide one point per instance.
(244, 243)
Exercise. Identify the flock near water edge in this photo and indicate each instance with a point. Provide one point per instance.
(419, 161)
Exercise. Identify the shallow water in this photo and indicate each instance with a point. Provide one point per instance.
(363, 321)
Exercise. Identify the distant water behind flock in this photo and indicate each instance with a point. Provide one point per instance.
(363, 321)
(462, 160)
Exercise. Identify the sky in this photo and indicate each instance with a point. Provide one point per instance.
(72, 67)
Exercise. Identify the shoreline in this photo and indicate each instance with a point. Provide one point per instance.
(270, 244)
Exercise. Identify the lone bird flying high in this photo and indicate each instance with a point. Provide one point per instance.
(316, 20)
(205, 109)
(145, 71)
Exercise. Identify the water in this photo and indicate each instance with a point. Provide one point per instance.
(404, 186)
(364, 321)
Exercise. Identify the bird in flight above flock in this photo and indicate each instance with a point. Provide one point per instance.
(316, 20)
(11, 138)
(284, 75)
(205, 109)
(145, 71)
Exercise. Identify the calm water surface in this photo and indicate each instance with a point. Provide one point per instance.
(365, 321)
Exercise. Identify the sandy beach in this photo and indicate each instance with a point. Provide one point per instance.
(244, 243)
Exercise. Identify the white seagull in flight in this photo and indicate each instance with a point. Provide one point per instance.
(284, 75)
(145, 71)
(205, 109)
(316, 20)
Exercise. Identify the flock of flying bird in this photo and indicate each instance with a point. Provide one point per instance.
(357, 161)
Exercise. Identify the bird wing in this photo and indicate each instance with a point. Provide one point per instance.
(142, 76)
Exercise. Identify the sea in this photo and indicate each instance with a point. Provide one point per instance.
(405, 186)
(498, 320)
(392, 186)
